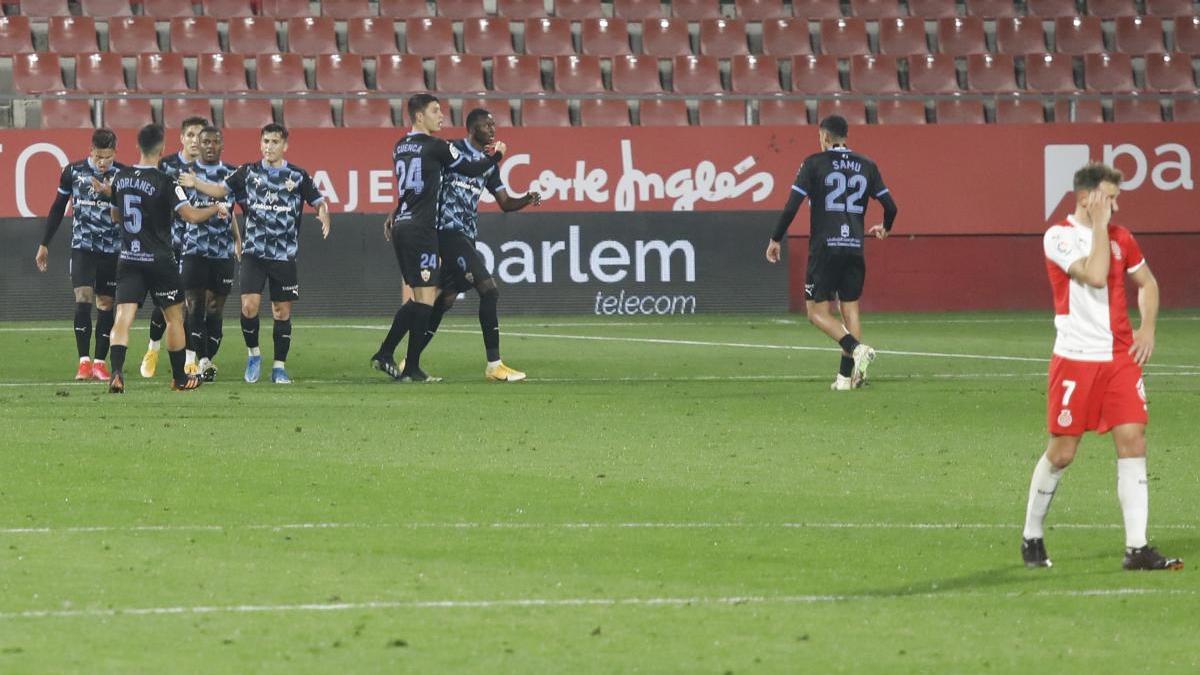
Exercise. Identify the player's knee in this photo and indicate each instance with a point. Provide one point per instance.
(1061, 452)
(104, 302)
(446, 301)
(83, 294)
(1130, 441)
(281, 311)
(488, 289)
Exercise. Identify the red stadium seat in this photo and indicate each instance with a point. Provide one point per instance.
(280, 73)
(1169, 73)
(933, 9)
(1049, 73)
(874, 75)
(37, 73)
(498, 107)
(782, 112)
(844, 37)
(603, 112)
(400, 73)
(221, 73)
(902, 37)
(1020, 35)
(344, 10)
(252, 35)
(462, 73)
(605, 37)
(284, 9)
(875, 9)
(577, 9)
(577, 75)
(126, 113)
(247, 113)
(722, 112)
(545, 112)
(1187, 35)
(548, 37)
(855, 112)
(176, 110)
(41, 9)
(815, 75)
(961, 36)
(900, 111)
(309, 36)
(371, 36)
(105, 8)
(696, 10)
(932, 74)
(760, 10)
(520, 75)
(163, 10)
(786, 37)
(340, 73)
(59, 113)
(959, 111)
(519, 10)
(1169, 7)
(458, 10)
(991, 9)
(100, 73)
(228, 9)
(195, 35)
(161, 73)
(637, 10)
(1051, 9)
(16, 37)
(1140, 35)
(753, 74)
(991, 73)
(723, 38)
(1187, 110)
(367, 113)
(308, 113)
(1018, 110)
(663, 113)
(1079, 112)
(72, 34)
(1108, 73)
(1111, 9)
(635, 75)
(665, 38)
(487, 36)
(1137, 111)
(404, 9)
(816, 10)
(132, 35)
(429, 36)
(697, 75)
(1078, 35)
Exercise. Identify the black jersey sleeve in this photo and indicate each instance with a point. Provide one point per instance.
(493, 183)
(67, 180)
(797, 193)
(453, 159)
(309, 191)
(176, 195)
(236, 182)
(881, 193)
(58, 210)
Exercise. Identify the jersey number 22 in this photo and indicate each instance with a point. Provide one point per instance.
(839, 185)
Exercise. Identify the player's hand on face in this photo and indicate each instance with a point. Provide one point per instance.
(773, 251)
(1099, 208)
(42, 259)
(1143, 346)
(100, 187)
(499, 147)
(878, 231)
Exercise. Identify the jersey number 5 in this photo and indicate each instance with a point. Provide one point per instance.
(408, 176)
(131, 214)
(839, 185)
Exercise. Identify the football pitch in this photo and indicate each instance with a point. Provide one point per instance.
(661, 496)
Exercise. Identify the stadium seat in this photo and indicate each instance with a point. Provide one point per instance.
(844, 37)
(1137, 111)
(462, 73)
(603, 112)
(932, 74)
(902, 37)
(1019, 110)
(635, 75)
(855, 112)
(221, 73)
(37, 73)
(247, 113)
(663, 113)
(520, 75)
(41, 9)
(103, 9)
(519, 10)
(1020, 35)
(344, 10)
(959, 111)
(637, 10)
(1187, 110)
(1078, 35)
(228, 9)
(1169, 73)
(400, 73)
(371, 36)
(404, 9)
(782, 112)
(991, 73)
(991, 9)
(176, 110)
(816, 10)
(252, 35)
(1111, 9)
(72, 35)
(753, 74)
(1108, 73)
(429, 36)
(126, 113)
(548, 37)
(760, 10)
(284, 9)
(367, 113)
(961, 36)
(1169, 7)
(577, 75)
(308, 113)
(132, 35)
(723, 38)
(16, 37)
(933, 9)
(1080, 112)
(458, 10)
(1187, 35)
(786, 37)
(487, 36)
(665, 38)
(280, 73)
(1051, 9)
(697, 75)
(722, 112)
(340, 73)
(1139, 35)
(605, 37)
(498, 107)
(100, 73)
(875, 10)
(545, 112)
(695, 10)
(59, 113)
(577, 9)
(815, 75)
(875, 75)
(1049, 74)
(900, 111)
(161, 73)
(194, 35)
(163, 10)
(309, 36)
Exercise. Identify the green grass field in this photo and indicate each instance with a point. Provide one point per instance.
(680, 496)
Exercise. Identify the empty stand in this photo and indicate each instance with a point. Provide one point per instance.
(344, 10)
(221, 73)
(782, 112)
(898, 111)
(1187, 110)
(284, 9)
(1020, 35)
(933, 9)
(367, 113)
(1111, 9)
(16, 37)
(991, 73)
(176, 110)
(991, 9)
(251, 35)
(519, 10)
(280, 73)
(603, 113)
(1137, 111)
(228, 9)
(637, 10)
(1169, 7)
(132, 35)
(544, 112)
(760, 10)
(1078, 35)
(340, 73)
(1139, 35)
(1170, 73)
(665, 38)
(723, 38)
(855, 112)
(1049, 73)
(41, 9)
(100, 73)
(663, 113)
(400, 73)
(815, 75)
(105, 8)
(932, 74)
(577, 75)
(194, 35)
(605, 37)
(959, 111)
(1051, 9)
(961, 36)
(312, 113)
(695, 10)
(60, 113)
(902, 37)
(697, 75)
(548, 37)
(520, 75)
(786, 37)
(578, 9)
(403, 9)
(487, 36)
(753, 74)
(1108, 73)
(72, 35)
(126, 113)
(635, 75)
(247, 113)
(429, 36)
(161, 73)
(844, 37)
(1019, 110)
(870, 74)
(371, 36)
(875, 9)
(457, 10)
(1187, 35)
(721, 112)
(462, 73)
(309, 36)
(37, 73)
(816, 10)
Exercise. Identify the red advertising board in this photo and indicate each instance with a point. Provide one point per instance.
(952, 179)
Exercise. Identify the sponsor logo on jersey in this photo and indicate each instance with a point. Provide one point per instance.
(1116, 249)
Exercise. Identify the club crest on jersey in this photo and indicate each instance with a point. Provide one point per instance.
(289, 185)
(845, 231)
(1063, 245)
(1116, 249)
(425, 274)
(1064, 418)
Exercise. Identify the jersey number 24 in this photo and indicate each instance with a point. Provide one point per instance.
(408, 176)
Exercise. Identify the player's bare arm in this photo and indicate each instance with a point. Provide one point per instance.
(507, 203)
(1143, 337)
(214, 190)
(323, 216)
(193, 214)
(1097, 208)
(237, 234)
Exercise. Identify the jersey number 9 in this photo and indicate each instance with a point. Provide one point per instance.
(132, 214)
(408, 176)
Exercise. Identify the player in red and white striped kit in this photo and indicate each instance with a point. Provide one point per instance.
(1095, 381)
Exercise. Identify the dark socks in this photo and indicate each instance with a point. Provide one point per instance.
(283, 339)
(158, 325)
(848, 343)
(104, 324)
(177, 360)
(400, 326)
(250, 331)
(435, 318)
(118, 357)
(489, 323)
(196, 324)
(418, 323)
(846, 368)
(83, 328)
(214, 328)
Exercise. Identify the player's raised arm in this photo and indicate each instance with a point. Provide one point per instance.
(214, 190)
(194, 214)
(457, 162)
(1094, 207)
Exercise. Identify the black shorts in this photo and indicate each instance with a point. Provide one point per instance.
(285, 282)
(462, 265)
(834, 277)
(416, 249)
(208, 274)
(159, 278)
(94, 270)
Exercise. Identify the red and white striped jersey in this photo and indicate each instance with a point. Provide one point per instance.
(1093, 323)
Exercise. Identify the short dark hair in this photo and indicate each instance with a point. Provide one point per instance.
(1094, 173)
(104, 139)
(475, 116)
(274, 128)
(151, 138)
(210, 129)
(418, 103)
(836, 126)
(193, 121)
